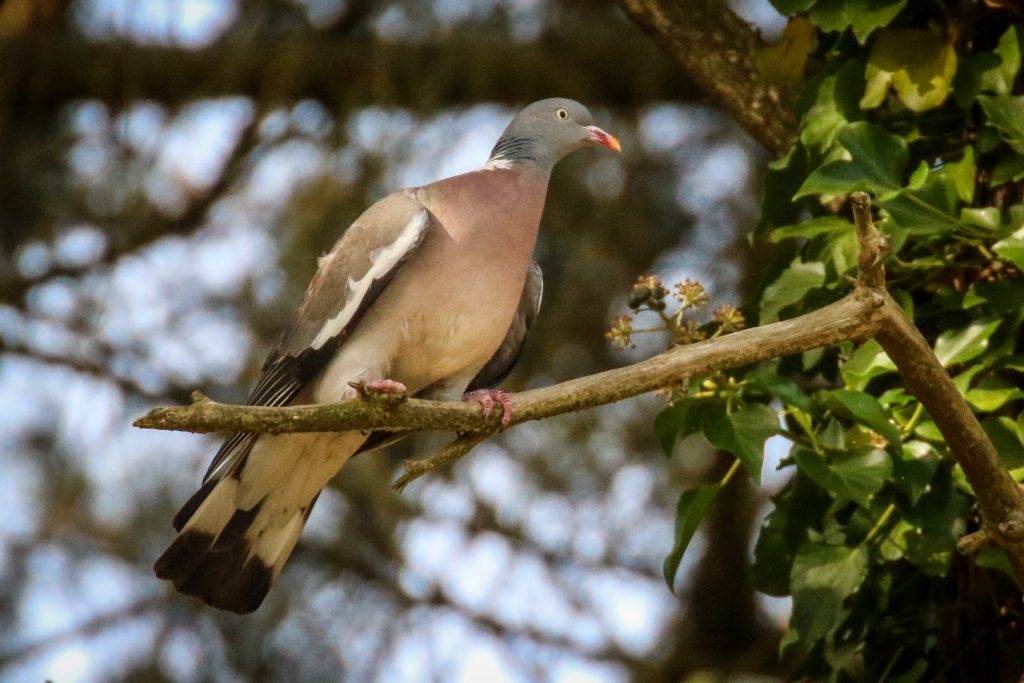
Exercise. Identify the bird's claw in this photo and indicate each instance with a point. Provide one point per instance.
(487, 398)
(379, 388)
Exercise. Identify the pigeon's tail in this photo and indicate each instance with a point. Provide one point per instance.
(237, 531)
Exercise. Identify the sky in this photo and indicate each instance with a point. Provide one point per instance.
(238, 247)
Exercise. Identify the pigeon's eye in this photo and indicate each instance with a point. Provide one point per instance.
(562, 113)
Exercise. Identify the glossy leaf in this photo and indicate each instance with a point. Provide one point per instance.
(742, 433)
(823, 576)
(918, 64)
(790, 287)
(864, 364)
(681, 419)
(878, 161)
(1006, 114)
(1012, 248)
(823, 225)
(855, 477)
(691, 509)
(999, 79)
(959, 346)
(866, 409)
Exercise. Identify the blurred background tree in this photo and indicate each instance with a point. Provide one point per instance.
(171, 169)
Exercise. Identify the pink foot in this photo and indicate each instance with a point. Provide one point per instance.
(378, 387)
(487, 398)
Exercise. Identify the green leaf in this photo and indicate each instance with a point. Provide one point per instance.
(1006, 438)
(742, 433)
(878, 160)
(1006, 114)
(853, 477)
(790, 287)
(1008, 169)
(834, 106)
(987, 218)
(681, 419)
(863, 15)
(1012, 248)
(823, 225)
(918, 65)
(867, 15)
(867, 362)
(787, 7)
(1000, 79)
(937, 520)
(829, 15)
(992, 394)
(914, 469)
(959, 346)
(823, 576)
(931, 207)
(783, 62)
(691, 509)
(866, 409)
(784, 388)
(969, 76)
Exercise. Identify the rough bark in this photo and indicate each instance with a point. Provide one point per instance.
(715, 47)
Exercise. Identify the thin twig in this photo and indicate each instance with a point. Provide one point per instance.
(414, 469)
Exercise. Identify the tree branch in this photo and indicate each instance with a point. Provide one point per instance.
(999, 497)
(866, 312)
(343, 72)
(716, 48)
(854, 317)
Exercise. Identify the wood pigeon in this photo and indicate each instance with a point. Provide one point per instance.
(430, 291)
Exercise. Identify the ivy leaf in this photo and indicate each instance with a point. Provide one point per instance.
(785, 389)
(783, 62)
(823, 576)
(865, 409)
(681, 419)
(992, 394)
(864, 364)
(1006, 114)
(1000, 79)
(863, 15)
(918, 65)
(878, 160)
(691, 509)
(790, 287)
(1008, 169)
(787, 7)
(969, 75)
(823, 225)
(833, 107)
(829, 15)
(853, 477)
(867, 15)
(959, 346)
(1012, 248)
(1006, 438)
(742, 433)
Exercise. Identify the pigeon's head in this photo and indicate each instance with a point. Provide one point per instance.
(546, 131)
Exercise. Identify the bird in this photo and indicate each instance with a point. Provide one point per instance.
(430, 293)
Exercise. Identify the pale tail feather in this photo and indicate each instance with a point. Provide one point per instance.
(233, 543)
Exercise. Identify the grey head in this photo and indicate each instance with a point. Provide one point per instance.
(546, 131)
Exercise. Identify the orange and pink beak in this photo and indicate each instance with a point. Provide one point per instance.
(602, 138)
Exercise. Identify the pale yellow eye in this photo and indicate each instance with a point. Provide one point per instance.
(562, 113)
